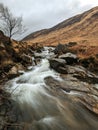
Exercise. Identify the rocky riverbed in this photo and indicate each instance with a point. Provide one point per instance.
(54, 92)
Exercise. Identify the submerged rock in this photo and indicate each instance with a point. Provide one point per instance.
(76, 91)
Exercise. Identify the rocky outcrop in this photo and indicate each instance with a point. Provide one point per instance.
(79, 83)
(71, 88)
(58, 64)
(78, 54)
(64, 48)
(26, 58)
(11, 55)
(72, 65)
(60, 49)
(69, 58)
(77, 71)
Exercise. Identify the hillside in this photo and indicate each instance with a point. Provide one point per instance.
(82, 28)
(13, 58)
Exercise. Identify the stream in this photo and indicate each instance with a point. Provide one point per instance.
(43, 107)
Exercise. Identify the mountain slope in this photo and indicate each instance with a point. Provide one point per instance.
(82, 28)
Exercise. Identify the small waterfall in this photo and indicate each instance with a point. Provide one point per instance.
(41, 109)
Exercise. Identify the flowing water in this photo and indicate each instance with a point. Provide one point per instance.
(40, 109)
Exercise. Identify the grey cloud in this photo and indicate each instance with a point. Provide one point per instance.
(41, 14)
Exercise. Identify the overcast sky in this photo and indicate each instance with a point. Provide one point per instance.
(40, 14)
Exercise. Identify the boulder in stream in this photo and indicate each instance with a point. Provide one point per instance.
(58, 64)
(70, 58)
(60, 49)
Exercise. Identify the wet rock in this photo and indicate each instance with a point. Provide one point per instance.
(82, 74)
(62, 70)
(53, 83)
(76, 91)
(58, 64)
(55, 62)
(70, 58)
(39, 49)
(60, 49)
(26, 58)
(37, 61)
(68, 55)
(86, 78)
(11, 76)
(20, 68)
(68, 85)
(90, 102)
(13, 72)
(38, 55)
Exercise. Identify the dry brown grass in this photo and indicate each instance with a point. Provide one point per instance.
(84, 50)
(84, 32)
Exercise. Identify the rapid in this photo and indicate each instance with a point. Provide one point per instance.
(41, 107)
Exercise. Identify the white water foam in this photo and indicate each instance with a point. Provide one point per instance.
(29, 85)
